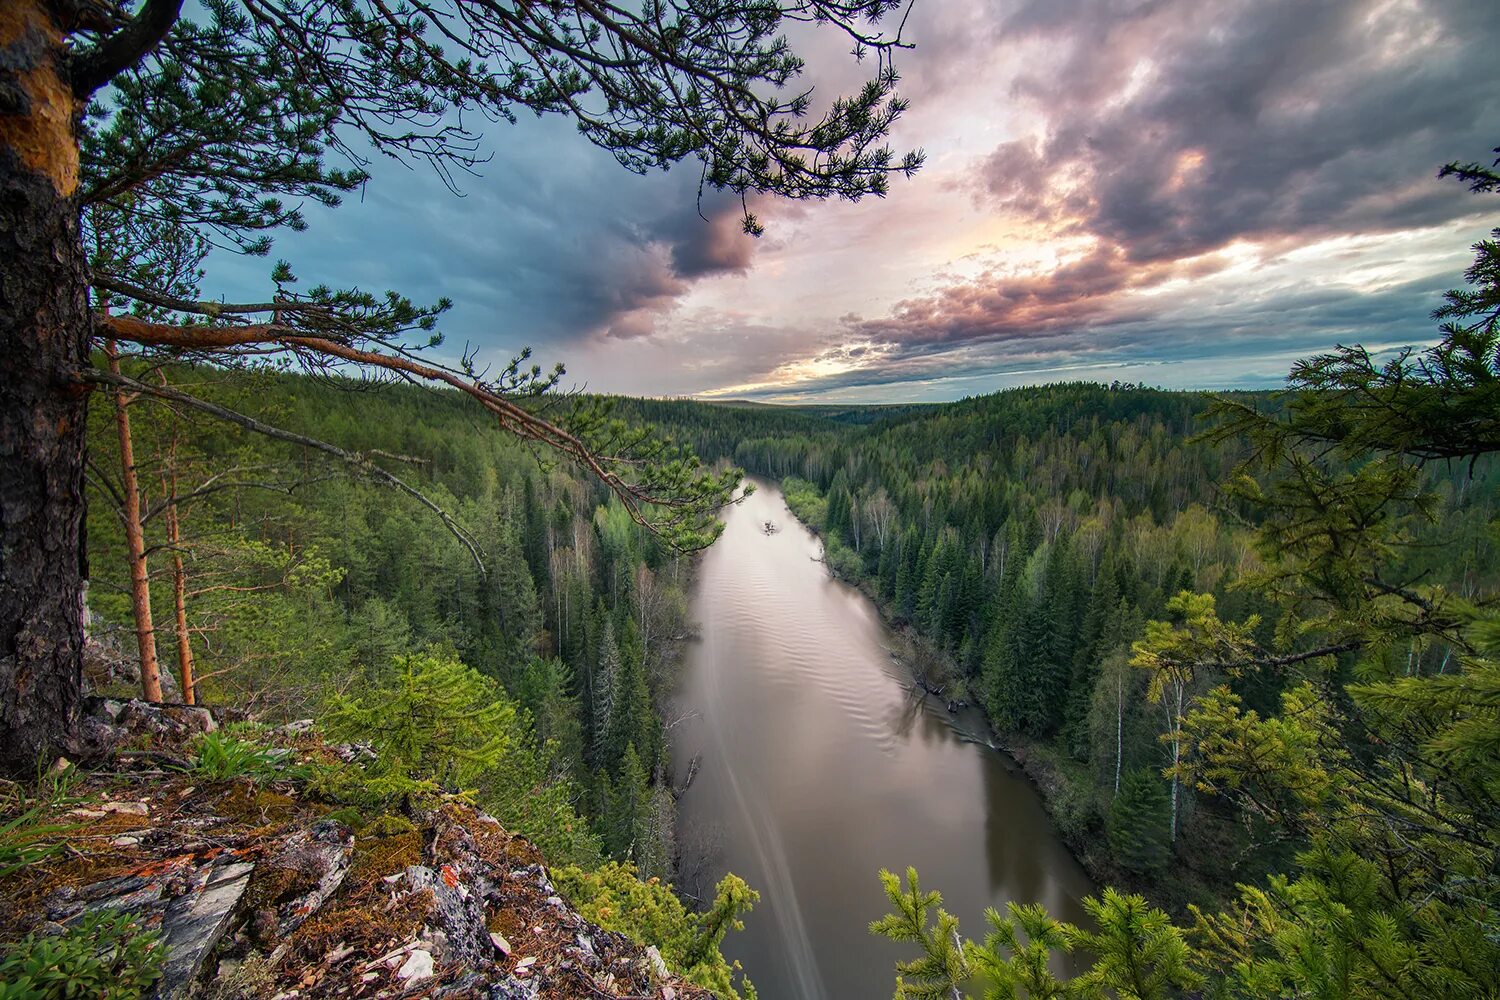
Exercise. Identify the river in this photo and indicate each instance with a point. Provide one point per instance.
(820, 766)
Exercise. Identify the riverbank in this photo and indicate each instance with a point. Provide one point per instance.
(1067, 790)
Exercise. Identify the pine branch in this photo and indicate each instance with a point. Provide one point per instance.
(94, 67)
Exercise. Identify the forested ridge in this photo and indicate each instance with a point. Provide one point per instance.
(302, 575)
(1244, 642)
(1026, 537)
(1261, 648)
(1060, 554)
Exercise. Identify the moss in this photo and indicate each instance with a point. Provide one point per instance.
(389, 825)
(377, 857)
(509, 924)
(351, 817)
(363, 918)
(245, 803)
(268, 884)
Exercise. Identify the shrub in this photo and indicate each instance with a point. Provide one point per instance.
(441, 728)
(105, 956)
(649, 913)
(24, 838)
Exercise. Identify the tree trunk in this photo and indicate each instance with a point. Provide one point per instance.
(1119, 728)
(184, 637)
(135, 541)
(44, 337)
(179, 578)
(1176, 757)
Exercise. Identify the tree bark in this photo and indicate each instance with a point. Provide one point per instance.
(135, 540)
(44, 336)
(179, 577)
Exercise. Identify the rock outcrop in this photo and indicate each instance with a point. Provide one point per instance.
(260, 891)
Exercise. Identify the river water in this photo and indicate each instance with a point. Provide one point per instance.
(819, 766)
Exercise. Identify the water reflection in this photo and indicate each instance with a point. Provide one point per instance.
(821, 765)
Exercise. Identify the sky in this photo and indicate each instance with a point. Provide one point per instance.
(1184, 193)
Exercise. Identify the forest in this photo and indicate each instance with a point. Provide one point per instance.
(337, 659)
(1119, 576)
(1198, 619)
(1026, 538)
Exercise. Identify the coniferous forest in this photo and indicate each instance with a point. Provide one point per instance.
(339, 660)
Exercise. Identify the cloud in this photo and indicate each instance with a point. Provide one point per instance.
(551, 244)
(1176, 139)
(1008, 307)
(1175, 128)
(1112, 183)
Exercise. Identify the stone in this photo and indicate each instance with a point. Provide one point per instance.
(658, 965)
(320, 858)
(195, 921)
(512, 988)
(107, 665)
(127, 808)
(417, 967)
(456, 913)
(501, 945)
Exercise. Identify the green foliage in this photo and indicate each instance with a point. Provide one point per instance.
(106, 955)
(649, 913)
(1139, 823)
(1017, 968)
(440, 728)
(1173, 654)
(26, 839)
(1138, 953)
(437, 727)
(222, 757)
(1281, 766)
(25, 835)
(918, 918)
(805, 501)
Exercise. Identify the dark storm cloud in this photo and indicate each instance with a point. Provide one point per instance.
(1254, 119)
(707, 241)
(551, 243)
(1175, 128)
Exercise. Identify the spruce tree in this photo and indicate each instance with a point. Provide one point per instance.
(604, 686)
(1139, 823)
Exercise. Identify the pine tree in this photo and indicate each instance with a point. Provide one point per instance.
(627, 817)
(633, 721)
(1139, 955)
